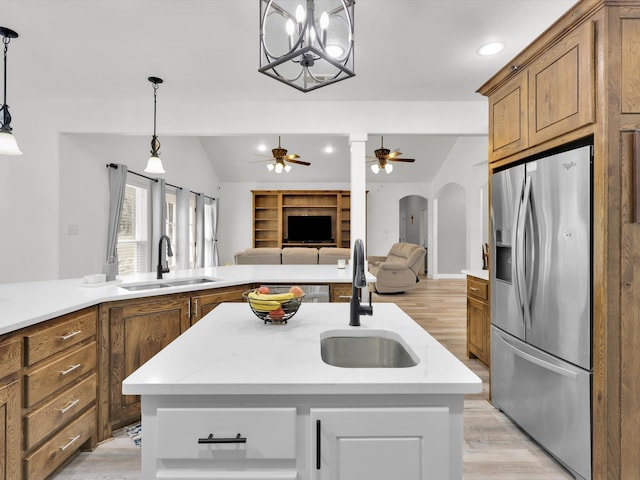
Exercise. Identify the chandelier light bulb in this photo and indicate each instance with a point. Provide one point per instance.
(335, 51)
(270, 167)
(375, 168)
(324, 21)
(388, 168)
(290, 27)
(287, 168)
(279, 168)
(300, 14)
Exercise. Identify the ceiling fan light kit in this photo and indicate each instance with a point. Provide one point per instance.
(8, 144)
(154, 164)
(307, 44)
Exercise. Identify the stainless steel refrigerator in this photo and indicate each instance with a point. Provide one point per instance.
(541, 333)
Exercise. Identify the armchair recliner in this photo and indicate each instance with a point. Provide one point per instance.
(398, 271)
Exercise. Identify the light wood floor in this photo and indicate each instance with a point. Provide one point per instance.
(494, 448)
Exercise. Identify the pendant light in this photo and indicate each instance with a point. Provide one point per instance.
(8, 144)
(154, 165)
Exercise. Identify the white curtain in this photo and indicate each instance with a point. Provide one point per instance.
(211, 227)
(213, 216)
(200, 232)
(117, 185)
(183, 199)
(158, 221)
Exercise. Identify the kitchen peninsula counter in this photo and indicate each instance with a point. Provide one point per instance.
(232, 375)
(28, 303)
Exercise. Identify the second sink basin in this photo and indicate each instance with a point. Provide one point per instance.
(371, 350)
(189, 281)
(168, 283)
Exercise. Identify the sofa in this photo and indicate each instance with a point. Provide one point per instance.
(398, 271)
(291, 256)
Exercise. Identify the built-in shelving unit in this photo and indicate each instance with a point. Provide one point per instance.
(271, 208)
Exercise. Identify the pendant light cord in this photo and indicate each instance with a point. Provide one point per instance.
(155, 94)
(6, 41)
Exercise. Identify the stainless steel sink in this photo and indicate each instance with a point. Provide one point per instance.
(143, 286)
(189, 281)
(169, 283)
(365, 351)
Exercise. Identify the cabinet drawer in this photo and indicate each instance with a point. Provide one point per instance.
(45, 380)
(270, 433)
(477, 289)
(10, 357)
(53, 453)
(72, 329)
(55, 413)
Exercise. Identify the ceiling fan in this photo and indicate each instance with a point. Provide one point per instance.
(279, 157)
(384, 156)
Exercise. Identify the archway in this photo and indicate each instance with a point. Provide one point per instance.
(414, 221)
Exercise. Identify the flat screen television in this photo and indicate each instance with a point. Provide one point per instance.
(309, 228)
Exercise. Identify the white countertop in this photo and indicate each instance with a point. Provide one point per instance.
(230, 351)
(484, 274)
(28, 303)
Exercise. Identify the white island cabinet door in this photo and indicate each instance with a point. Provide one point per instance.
(380, 443)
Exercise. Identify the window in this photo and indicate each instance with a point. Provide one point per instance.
(132, 231)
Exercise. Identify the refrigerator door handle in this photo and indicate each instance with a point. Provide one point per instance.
(523, 288)
(538, 361)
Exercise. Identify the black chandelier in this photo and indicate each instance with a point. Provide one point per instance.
(8, 144)
(307, 44)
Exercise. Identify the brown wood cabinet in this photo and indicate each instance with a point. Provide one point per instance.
(47, 394)
(138, 329)
(10, 409)
(271, 209)
(478, 320)
(581, 78)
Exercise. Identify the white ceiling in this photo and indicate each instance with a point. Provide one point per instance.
(406, 50)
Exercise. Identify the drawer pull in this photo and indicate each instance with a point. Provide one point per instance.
(237, 439)
(70, 335)
(318, 438)
(68, 444)
(70, 406)
(474, 289)
(70, 369)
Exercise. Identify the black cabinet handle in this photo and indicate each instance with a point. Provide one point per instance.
(317, 444)
(237, 439)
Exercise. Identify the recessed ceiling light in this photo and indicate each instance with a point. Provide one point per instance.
(262, 147)
(328, 149)
(491, 48)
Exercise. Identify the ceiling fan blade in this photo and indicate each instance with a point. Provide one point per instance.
(299, 162)
(401, 159)
(393, 154)
(262, 160)
(291, 156)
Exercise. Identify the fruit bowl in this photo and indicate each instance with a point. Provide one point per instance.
(277, 306)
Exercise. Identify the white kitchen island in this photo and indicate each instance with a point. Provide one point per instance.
(234, 398)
